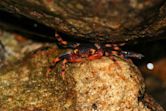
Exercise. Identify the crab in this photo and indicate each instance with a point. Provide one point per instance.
(89, 51)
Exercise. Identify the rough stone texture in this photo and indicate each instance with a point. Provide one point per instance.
(107, 86)
(89, 86)
(96, 20)
(25, 87)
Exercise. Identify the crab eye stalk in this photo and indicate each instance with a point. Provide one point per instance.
(92, 51)
(75, 51)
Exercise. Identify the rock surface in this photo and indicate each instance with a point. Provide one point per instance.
(95, 20)
(89, 86)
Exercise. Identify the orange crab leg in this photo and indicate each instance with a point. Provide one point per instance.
(73, 59)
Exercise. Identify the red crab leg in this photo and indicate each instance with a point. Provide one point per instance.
(53, 61)
(65, 43)
(125, 54)
(69, 58)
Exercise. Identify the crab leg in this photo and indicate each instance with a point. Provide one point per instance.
(127, 54)
(54, 61)
(67, 57)
(51, 67)
(65, 43)
(123, 54)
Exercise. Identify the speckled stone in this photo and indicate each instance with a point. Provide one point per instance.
(105, 85)
(98, 85)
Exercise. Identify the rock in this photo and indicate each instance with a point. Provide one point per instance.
(107, 86)
(95, 20)
(25, 87)
(100, 84)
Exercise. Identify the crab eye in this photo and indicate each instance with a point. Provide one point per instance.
(92, 51)
(97, 46)
(108, 45)
(76, 51)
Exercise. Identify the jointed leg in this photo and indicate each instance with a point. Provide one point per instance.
(123, 54)
(64, 43)
(54, 62)
(67, 57)
(127, 54)
(72, 58)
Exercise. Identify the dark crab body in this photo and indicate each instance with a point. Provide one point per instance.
(90, 51)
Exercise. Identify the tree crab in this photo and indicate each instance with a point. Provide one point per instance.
(82, 51)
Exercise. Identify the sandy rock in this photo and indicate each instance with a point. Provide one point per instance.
(103, 85)
(99, 85)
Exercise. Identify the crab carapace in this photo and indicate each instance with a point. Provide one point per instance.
(82, 51)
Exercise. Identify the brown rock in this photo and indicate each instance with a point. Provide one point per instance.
(89, 86)
(107, 86)
(95, 20)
